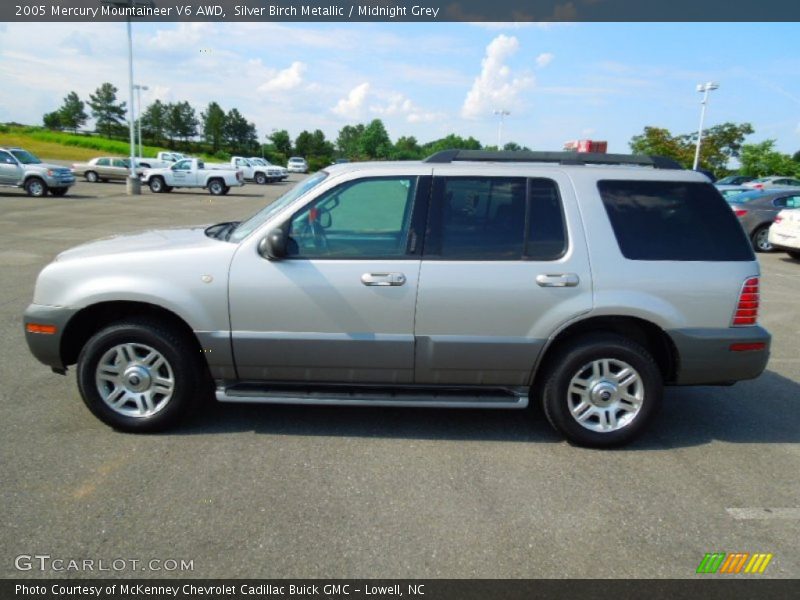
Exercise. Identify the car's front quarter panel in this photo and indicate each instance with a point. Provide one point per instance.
(190, 282)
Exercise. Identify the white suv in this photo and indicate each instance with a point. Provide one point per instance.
(469, 280)
(297, 164)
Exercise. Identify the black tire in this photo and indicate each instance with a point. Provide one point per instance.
(760, 241)
(157, 185)
(179, 353)
(91, 177)
(36, 187)
(261, 179)
(216, 187)
(58, 192)
(795, 254)
(575, 360)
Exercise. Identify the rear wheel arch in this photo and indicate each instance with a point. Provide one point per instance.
(645, 333)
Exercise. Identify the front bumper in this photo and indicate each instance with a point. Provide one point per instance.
(705, 356)
(60, 180)
(46, 347)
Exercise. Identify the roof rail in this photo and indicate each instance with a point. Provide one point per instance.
(563, 158)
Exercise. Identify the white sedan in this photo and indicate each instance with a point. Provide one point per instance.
(784, 234)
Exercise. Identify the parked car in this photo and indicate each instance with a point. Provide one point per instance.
(19, 168)
(784, 234)
(284, 173)
(106, 168)
(192, 173)
(458, 281)
(763, 183)
(756, 210)
(730, 191)
(297, 165)
(251, 171)
(733, 180)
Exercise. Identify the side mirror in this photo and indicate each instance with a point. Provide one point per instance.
(273, 247)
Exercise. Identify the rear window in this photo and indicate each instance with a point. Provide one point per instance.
(669, 220)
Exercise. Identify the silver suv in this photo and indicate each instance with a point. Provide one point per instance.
(20, 168)
(469, 280)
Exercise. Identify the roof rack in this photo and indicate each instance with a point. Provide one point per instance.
(563, 158)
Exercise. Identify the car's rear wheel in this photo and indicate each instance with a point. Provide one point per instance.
(216, 187)
(601, 390)
(91, 177)
(761, 239)
(157, 185)
(35, 187)
(139, 375)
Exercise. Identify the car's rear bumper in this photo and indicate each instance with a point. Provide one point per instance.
(46, 347)
(720, 356)
(784, 239)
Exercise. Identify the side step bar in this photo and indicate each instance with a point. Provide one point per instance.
(344, 396)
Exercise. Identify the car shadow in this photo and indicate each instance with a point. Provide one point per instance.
(789, 259)
(762, 411)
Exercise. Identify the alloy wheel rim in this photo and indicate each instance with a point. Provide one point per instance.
(605, 395)
(134, 380)
(763, 240)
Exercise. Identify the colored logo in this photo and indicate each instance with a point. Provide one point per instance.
(735, 562)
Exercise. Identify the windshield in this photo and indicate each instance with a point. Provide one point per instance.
(25, 157)
(265, 213)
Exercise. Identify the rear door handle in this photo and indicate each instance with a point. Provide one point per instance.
(557, 279)
(383, 279)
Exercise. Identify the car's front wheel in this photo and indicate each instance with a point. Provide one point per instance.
(601, 390)
(139, 375)
(261, 179)
(35, 187)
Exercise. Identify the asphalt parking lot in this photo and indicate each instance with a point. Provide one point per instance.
(265, 491)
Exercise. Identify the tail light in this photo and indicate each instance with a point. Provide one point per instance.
(746, 312)
(778, 219)
(739, 212)
(759, 186)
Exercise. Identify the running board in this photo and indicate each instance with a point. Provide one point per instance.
(412, 397)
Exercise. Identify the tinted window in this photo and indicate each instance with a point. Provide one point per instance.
(665, 220)
(368, 218)
(6, 158)
(103, 162)
(495, 218)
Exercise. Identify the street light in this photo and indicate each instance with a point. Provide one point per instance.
(134, 186)
(704, 88)
(502, 113)
(139, 89)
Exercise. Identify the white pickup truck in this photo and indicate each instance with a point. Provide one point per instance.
(161, 161)
(192, 173)
(251, 170)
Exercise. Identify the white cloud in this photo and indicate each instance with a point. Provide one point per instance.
(186, 36)
(350, 107)
(397, 104)
(286, 79)
(544, 59)
(495, 87)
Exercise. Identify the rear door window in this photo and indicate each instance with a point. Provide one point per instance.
(672, 220)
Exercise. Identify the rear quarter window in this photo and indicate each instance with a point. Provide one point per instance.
(672, 220)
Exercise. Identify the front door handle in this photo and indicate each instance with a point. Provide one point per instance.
(557, 279)
(383, 279)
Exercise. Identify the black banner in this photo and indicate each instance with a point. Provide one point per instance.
(431, 11)
(732, 588)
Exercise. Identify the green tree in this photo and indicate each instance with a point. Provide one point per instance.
(214, 125)
(406, 148)
(375, 142)
(181, 121)
(72, 112)
(759, 160)
(52, 120)
(451, 142)
(282, 142)
(105, 109)
(515, 147)
(657, 141)
(154, 122)
(348, 142)
(313, 145)
(239, 133)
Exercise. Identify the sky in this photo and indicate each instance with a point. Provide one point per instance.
(559, 82)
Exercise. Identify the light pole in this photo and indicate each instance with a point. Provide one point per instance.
(139, 89)
(133, 186)
(704, 88)
(502, 113)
